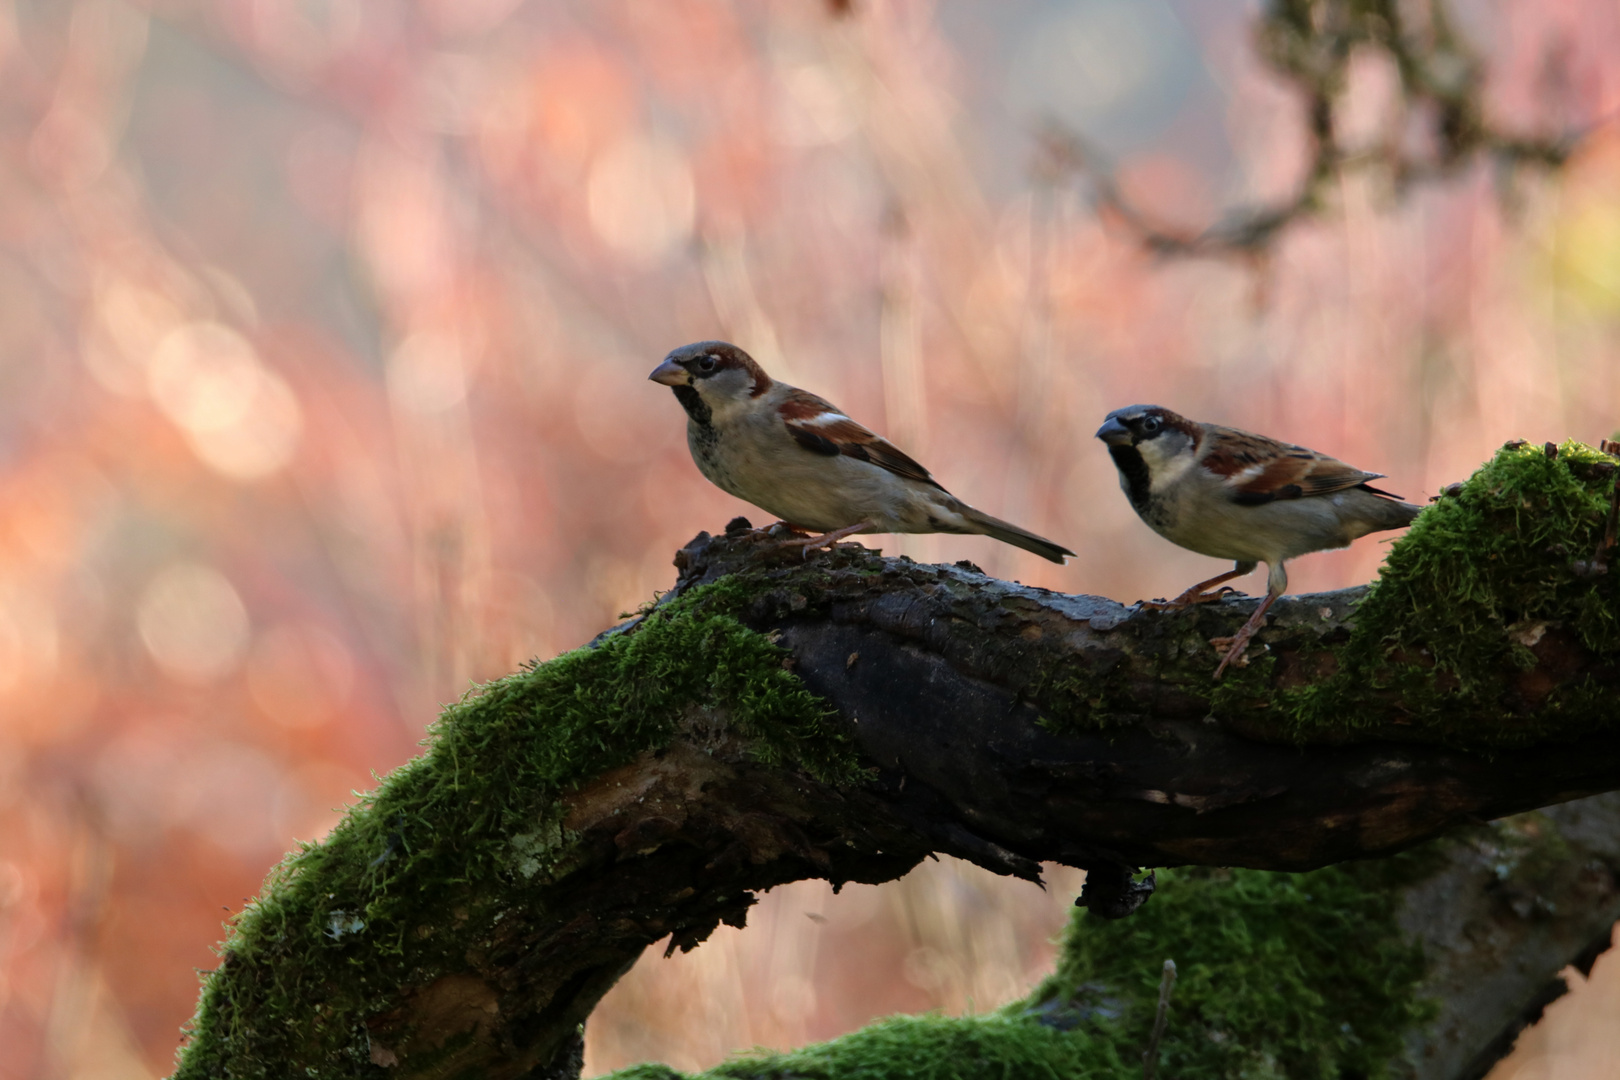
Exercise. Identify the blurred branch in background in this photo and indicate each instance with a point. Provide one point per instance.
(1428, 125)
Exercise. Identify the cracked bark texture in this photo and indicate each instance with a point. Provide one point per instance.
(1499, 917)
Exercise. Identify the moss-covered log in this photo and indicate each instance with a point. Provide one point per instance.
(1424, 965)
(775, 718)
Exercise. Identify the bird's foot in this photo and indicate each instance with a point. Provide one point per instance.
(1232, 650)
(1192, 596)
(1238, 643)
(807, 544)
(781, 533)
(1201, 593)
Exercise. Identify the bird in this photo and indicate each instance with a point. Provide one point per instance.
(1235, 495)
(801, 458)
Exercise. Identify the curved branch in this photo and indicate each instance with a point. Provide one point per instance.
(473, 910)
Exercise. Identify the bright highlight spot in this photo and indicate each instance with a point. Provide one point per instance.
(1587, 256)
(193, 623)
(240, 417)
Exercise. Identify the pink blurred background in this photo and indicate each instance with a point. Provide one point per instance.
(324, 333)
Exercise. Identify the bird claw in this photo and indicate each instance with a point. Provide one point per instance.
(807, 544)
(1236, 651)
(1237, 645)
(1190, 598)
(1197, 594)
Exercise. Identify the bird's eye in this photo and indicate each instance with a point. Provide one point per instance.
(707, 363)
(1151, 425)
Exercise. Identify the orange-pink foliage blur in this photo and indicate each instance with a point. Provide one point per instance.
(324, 329)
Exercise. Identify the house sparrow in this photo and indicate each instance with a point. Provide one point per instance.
(796, 456)
(1233, 495)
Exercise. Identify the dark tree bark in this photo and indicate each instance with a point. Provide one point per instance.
(934, 668)
(1498, 921)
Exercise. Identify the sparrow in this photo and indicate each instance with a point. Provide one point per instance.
(797, 456)
(1235, 495)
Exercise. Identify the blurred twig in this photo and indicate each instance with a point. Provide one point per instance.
(1441, 124)
(1167, 984)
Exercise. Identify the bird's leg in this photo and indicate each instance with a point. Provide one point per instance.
(1197, 595)
(827, 540)
(1238, 642)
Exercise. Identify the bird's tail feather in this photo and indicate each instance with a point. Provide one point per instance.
(1008, 533)
(1391, 511)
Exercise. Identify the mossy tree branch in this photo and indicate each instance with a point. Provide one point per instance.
(1424, 965)
(842, 717)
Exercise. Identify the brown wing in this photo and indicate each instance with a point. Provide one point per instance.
(1260, 470)
(818, 426)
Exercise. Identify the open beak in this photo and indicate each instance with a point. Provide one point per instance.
(670, 374)
(1114, 433)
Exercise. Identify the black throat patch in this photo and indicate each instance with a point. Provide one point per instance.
(693, 403)
(1138, 484)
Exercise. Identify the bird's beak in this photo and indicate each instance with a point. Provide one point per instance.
(670, 374)
(1114, 433)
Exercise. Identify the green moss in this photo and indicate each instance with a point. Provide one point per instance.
(1484, 573)
(1502, 549)
(1000, 1046)
(1280, 975)
(419, 871)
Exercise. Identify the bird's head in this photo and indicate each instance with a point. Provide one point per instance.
(710, 377)
(1150, 438)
